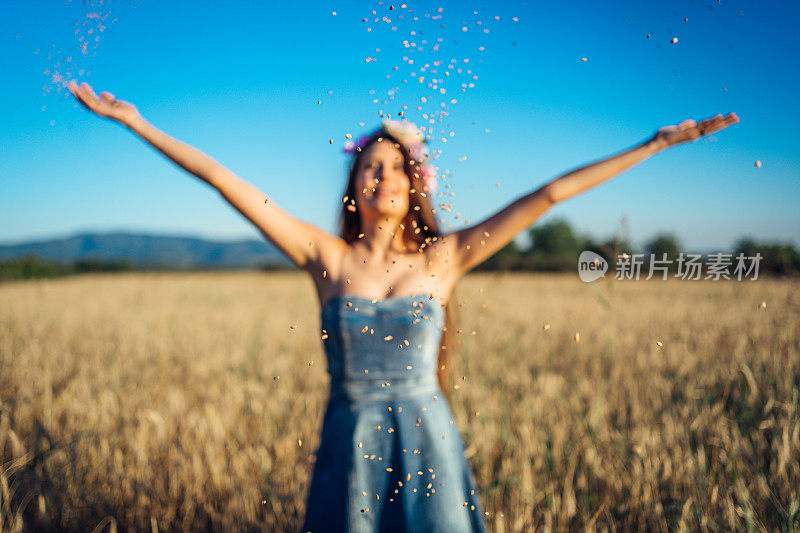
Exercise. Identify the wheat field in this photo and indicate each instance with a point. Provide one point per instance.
(187, 401)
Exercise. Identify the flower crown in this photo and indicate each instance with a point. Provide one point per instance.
(413, 139)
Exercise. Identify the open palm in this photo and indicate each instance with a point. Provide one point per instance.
(689, 130)
(105, 106)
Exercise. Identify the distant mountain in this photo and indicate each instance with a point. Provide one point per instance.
(153, 251)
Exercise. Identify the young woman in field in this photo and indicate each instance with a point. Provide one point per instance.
(390, 456)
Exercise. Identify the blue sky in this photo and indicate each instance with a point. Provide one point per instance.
(241, 80)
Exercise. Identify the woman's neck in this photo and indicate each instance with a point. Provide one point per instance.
(383, 239)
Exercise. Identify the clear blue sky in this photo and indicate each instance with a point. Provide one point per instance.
(241, 80)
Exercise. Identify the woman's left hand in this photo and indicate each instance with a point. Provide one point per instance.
(689, 130)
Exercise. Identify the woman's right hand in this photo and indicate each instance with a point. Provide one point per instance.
(105, 106)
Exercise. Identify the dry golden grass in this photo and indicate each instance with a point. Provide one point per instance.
(149, 401)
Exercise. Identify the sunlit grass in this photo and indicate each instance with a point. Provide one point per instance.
(176, 401)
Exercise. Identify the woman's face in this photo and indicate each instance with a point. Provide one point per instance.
(382, 185)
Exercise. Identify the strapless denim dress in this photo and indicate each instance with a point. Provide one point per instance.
(391, 457)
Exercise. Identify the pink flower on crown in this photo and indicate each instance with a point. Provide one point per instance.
(407, 133)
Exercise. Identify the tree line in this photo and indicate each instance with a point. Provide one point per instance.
(554, 247)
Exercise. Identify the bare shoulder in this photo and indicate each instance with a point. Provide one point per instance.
(324, 268)
(330, 251)
(442, 258)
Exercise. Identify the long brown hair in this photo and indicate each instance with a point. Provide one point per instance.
(419, 230)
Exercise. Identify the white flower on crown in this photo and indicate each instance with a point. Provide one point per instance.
(413, 139)
(404, 131)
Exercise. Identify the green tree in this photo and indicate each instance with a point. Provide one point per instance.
(508, 257)
(31, 266)
(782, 259)
(555, 246)
(663, 243)
(555, 237)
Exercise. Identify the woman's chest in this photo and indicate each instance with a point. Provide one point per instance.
(399, 276)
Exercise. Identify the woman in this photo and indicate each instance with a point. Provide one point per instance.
(390, 455)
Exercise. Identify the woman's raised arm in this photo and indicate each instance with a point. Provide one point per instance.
(472, 245)
(302, 243)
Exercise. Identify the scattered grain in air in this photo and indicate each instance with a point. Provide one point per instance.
(360, 444)
(293, 326)
(583, 59)
(387, 338)
(333, 13)
(324, 334)
(330, 141)
(324, 273)
(311, 363)
(659, 344)
(758, 163)
(674, 40)
(266, 200)
(408, 367)
(276, 378)
(546, 327)
(363, 493)
(348, 281)
(763, 305)
(366, 371)
(577, 337)
(300, 442)
(351, 208)
(347, 136)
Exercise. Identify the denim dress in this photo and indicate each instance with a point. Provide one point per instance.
(390, 457)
